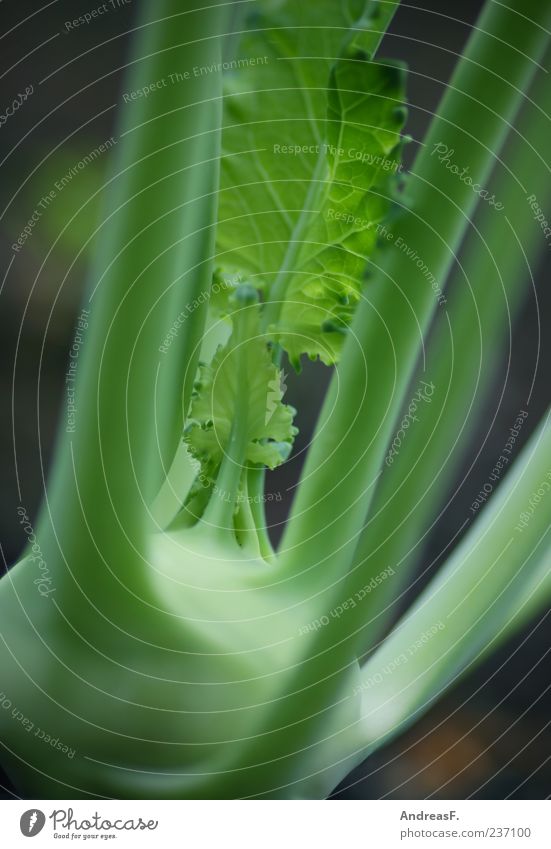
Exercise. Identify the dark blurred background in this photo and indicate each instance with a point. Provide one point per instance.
(488, 738)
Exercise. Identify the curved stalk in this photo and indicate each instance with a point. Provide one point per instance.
(494, 580)
(486, 293)
(369, 388)
(256, 491)
(151, 260)
(377, 18)
(386, 340)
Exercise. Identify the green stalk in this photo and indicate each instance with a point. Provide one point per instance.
(153, 257)
(376, 20)
(495, 579)
(246, 530)
(370, 386)
(498, 67)
(220, 511)
(256, 491)
(486, 293)
(175, 489)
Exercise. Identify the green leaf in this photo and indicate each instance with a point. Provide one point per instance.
(289, 103)
(215, 407)
(362, 150)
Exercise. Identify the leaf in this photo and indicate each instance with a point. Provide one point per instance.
(241, 369)
(363, 161)
(285, 112)
(275, 96)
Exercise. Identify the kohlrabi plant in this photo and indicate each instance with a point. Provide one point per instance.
(258, 213)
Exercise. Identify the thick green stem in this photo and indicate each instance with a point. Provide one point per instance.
(245, 524)
(223, 501)
(175, 489)
(485, 295)
(256, 492)
(496, 577)
(153, 257)
(377, 19)
(221, 508)
(369, 389)
(379, 358)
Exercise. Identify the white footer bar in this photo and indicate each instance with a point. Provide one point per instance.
(279, 825)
